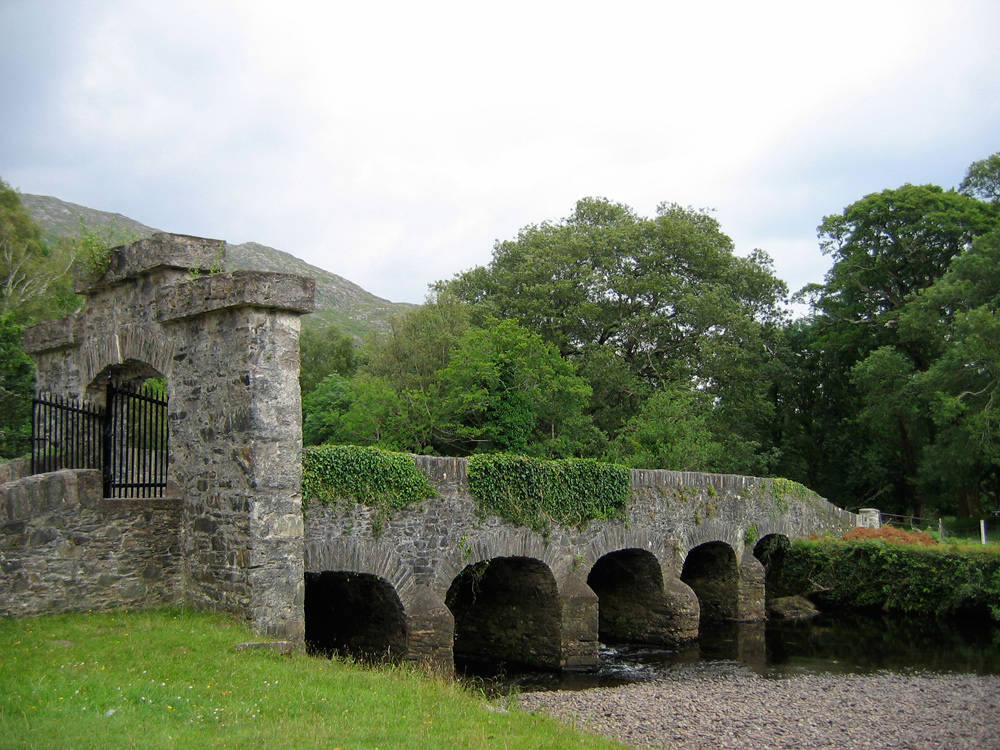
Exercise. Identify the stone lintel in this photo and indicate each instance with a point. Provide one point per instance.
(162, 250)
(280, 291)
(50, 335)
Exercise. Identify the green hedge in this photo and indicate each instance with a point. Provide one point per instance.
(370, 476)
(940, 580)
(535, 493)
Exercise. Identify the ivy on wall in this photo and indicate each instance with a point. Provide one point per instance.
(370, 476)
(535, 493)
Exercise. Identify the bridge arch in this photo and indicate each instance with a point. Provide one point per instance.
(729, 587)
(354, 614)
(631, 601)
(770, 551)
(359, 562)
(712, 571)
(507, 611)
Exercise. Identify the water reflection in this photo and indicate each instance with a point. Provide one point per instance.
(838, 643)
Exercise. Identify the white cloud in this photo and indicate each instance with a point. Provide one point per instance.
(393, 142)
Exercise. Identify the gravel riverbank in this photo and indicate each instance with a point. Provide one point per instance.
(703, 706)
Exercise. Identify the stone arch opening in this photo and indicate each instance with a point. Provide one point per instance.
(506, 612)
(131, 373)
(631, 601)
(354, 614)
(712, 572)
(771, 550)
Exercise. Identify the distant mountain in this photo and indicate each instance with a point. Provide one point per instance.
(339, 301)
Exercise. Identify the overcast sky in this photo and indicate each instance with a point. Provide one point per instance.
(393, 143)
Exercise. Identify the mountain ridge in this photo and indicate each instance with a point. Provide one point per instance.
(339, 301)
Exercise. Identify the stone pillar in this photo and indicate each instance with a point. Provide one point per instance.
(750, 603)
(236, 437)
(685, 614)
(430, 632)
(228, 345)
(870, 518)
(579, 616)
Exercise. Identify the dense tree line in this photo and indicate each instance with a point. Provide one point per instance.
(609, 335)
(890, 396)
(649, 342)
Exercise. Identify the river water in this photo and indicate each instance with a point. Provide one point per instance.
(829, 643)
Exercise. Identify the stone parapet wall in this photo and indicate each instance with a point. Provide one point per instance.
(420, 551)
(65, 548)
(11, 471)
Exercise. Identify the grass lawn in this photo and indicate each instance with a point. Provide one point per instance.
(171, 679)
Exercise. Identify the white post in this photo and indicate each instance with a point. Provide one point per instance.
(982, 529)
(940, 528)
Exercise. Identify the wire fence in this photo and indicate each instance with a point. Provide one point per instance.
(947, 527)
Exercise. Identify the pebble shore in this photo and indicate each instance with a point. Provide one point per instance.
(723, 706)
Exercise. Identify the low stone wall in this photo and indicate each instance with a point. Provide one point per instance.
(64, 547)
(11, 471)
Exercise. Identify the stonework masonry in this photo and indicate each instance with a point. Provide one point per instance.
(232, 533)
(227, 345)
(63, 547)
(421, 551)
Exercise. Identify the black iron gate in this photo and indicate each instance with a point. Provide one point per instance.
(127, 439)
(65, 434)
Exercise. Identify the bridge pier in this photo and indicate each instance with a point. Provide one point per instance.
(430, 631)
(579, 609)
(750, 602)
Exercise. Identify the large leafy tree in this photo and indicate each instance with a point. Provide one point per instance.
(873, 343)
(638, 304)
(672, 431)
(418, 343)
(961, 387)
(35, 279)
(505, 389)
(323, 351)
(17, 380)
(982, 180)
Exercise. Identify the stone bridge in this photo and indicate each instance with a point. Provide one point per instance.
(438, 581)
(441, 581)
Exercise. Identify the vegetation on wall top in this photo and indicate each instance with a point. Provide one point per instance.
(534, 492)
(370, 476)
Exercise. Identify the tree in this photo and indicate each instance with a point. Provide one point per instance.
(418, 344)
(35, 279)
(671, 432)
(505, 389)
(982, 180)
(886, 248)
(17, 381)
(323, 351)
(961, 387)
(874, 342)
(636, 303)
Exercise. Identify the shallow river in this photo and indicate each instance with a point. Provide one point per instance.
(840, 644)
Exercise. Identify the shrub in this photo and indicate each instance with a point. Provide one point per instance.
(892, 535)
(905, 578)
(534, 492)
(370, 476)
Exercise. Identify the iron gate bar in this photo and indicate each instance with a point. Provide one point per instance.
(136, 443)
(127, 439)
(72, 438)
